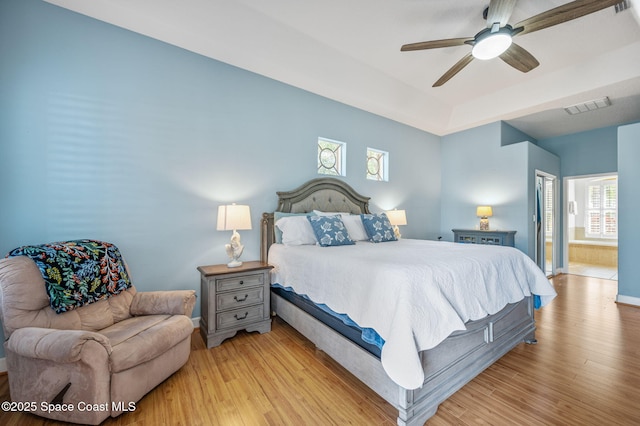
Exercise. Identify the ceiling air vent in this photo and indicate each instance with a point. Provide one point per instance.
(623, 5)
(588, 106)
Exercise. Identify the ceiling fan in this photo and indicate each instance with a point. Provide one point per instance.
(496, 39)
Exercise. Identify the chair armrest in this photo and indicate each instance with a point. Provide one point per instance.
(174, 302)
(54, 345)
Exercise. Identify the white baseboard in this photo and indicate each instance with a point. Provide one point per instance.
(3, 361)
(628, 300)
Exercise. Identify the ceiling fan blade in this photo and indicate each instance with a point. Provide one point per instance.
(436, 44)
(564, 13)
(500, 11)
(454, 70)
(519, 58)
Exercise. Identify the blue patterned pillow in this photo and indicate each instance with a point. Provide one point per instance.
(330, 231)
(378, 227)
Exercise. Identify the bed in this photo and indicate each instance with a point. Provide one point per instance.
(415, 381)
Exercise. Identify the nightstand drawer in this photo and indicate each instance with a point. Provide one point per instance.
(236, 299)
(239, 317)
(241, 281)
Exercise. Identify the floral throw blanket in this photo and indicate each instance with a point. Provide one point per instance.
(78, 272)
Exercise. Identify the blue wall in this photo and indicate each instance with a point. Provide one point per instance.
(585, 153)
(476, 170)
(108, 134)
(489, 165)
(629, 235)
(510, 135)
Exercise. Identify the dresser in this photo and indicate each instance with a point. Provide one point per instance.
(475, 236)
(233, 299)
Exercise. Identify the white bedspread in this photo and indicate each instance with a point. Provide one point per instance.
(414, 293)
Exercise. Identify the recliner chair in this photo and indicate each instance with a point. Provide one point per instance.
(98, 359)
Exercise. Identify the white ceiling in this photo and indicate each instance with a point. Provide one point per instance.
(349, 51)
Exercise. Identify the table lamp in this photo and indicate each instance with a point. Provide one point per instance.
(396, 217)
(484, 212)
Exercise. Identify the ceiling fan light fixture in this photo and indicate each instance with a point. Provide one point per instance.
(496, 38)
(491, 45)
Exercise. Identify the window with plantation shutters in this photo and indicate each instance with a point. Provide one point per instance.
(602, 209)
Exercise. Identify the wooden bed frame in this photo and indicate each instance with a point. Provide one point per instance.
(447, 367)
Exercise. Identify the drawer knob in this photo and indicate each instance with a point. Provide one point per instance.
(240, 300)
(241, 318)
(241, 282)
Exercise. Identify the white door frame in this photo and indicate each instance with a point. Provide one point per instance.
(565, 214)
(555, 215)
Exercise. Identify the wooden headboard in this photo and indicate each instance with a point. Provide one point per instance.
(325, 194)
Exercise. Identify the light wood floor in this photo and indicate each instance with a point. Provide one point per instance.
(585, 370)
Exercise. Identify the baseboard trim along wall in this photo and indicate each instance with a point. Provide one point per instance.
(628, 300)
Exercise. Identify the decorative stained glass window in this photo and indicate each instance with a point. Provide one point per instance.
(332, 157)
(377, 165)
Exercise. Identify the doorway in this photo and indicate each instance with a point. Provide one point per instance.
(545, 222)
(591, 231)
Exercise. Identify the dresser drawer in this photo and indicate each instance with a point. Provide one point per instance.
(240, 281)
(236, 299)
(490, 238)
(239, 317)
(492, 241)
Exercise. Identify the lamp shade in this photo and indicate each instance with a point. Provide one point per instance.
(233, 217)
(397, 217)
(484, 211)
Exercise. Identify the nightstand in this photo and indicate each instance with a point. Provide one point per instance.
(474, 236)
(233, 299)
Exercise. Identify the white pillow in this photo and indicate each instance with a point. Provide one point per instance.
(296, 231)
(354, 226)
(321, 213)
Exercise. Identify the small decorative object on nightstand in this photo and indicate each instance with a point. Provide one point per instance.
(495, 237)
(484, 212)
(397, 217)
(231, 218)
(234, 299)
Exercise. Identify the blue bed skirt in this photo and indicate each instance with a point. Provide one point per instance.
(366, 338)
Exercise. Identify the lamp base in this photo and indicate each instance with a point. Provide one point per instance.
(234, 250)
(484, 224)
(396, 232)
(234, 263)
